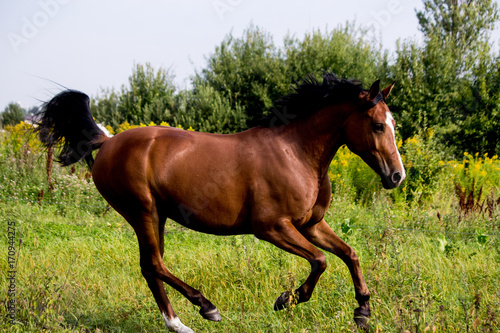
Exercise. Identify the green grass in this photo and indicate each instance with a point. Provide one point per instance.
(80, 273)
(430, 265)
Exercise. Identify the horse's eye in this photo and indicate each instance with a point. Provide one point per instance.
(378, 128)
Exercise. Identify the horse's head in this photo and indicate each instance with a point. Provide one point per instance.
(369, 132)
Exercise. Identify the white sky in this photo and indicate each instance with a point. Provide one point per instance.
(91, 44)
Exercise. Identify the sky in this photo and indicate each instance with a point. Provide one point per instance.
(91, 45)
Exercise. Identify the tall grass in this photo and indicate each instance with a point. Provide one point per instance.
(429, 266)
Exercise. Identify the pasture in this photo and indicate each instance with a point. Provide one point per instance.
(430, 253)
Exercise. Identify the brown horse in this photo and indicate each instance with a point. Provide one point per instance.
(270, 181)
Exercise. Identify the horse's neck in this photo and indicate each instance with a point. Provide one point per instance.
(320, 135)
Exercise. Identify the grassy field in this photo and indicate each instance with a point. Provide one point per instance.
(432, 262)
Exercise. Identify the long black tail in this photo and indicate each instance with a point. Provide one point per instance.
(66, 121)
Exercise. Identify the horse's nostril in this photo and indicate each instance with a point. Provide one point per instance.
(396, 177)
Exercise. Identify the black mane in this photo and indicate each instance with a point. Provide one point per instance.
(310, 95)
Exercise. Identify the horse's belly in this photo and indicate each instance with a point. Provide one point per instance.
(218, 222)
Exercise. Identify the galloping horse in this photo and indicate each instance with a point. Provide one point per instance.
(270, 181)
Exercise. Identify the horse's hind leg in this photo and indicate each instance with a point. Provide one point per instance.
(208, 310)
(171, 320)
(150, 235)
(323, 236)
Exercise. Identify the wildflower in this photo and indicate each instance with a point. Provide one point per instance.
(110, 129)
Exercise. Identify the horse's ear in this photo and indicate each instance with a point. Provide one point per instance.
(374, 90)
(387, 90)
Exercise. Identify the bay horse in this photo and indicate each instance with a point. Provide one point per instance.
(270, 180)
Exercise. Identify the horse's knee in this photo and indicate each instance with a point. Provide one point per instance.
(318, 265)
(353, 257)
(349, 256)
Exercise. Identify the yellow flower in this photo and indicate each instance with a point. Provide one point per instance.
(124, 126)
(412, 140)
(400, 143)
(110, 129)
(164, 123)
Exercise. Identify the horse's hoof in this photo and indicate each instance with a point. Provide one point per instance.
(282, 301)
(211, 313)
(361, 318)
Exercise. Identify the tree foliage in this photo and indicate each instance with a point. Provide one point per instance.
(346, 50)
(466, 23)
(251, 72)
(12, 115)
(208, 110)
(450, 82)
(150, 97)
(248, 72)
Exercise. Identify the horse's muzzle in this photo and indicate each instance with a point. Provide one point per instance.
(393, 180)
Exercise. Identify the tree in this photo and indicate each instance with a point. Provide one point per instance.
(207, 110)
(465, 23)
(251, 72)
(105, 108)
(346, 50)
(150, 97)
(248, 72)
(448, 83)
(12, 115)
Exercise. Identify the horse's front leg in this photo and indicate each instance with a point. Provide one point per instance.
(323, 236)
(284, 235)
